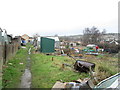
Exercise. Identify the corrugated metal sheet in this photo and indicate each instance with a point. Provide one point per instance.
(4, 37)
(111, 82)
(9, 39)
(47, 45)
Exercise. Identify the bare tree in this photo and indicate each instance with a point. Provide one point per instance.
(86, 36)
(91, 35)
(104, 31)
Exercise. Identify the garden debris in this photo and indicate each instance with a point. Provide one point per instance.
(58, 85)
(76, 84)
(83, 66)
(91, 53)
(77, 55)
(23, 47)
(10, 63)
(64, 64)
(71, 56)
(67, 65)
(4, 66)
(63, 54)
(21, 63)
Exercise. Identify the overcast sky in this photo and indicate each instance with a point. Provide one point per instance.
(62, 17)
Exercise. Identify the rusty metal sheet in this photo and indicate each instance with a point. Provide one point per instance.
(83, 66)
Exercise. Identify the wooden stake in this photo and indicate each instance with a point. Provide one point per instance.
(63, 66)
(52, 58)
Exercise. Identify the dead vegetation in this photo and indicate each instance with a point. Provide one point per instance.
(106, 66)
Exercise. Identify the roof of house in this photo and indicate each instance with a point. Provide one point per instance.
(114, 42)
(24, 35)
(91, 45)
(9, 36)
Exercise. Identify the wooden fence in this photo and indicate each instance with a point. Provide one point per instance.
(8, 49)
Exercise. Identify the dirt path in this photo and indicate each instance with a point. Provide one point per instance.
(26, 77)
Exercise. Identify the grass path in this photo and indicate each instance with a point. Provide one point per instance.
(26, 77)
(14, 68)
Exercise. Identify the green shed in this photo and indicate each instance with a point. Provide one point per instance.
(47, 45)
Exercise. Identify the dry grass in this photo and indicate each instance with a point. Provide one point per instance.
(106, 65)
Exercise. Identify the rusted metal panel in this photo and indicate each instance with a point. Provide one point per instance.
(83, 66)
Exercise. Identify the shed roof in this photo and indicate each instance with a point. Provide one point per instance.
(114, 42)
(55, 38)
(91, 45)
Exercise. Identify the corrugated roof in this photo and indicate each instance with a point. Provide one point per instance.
(55, 38)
